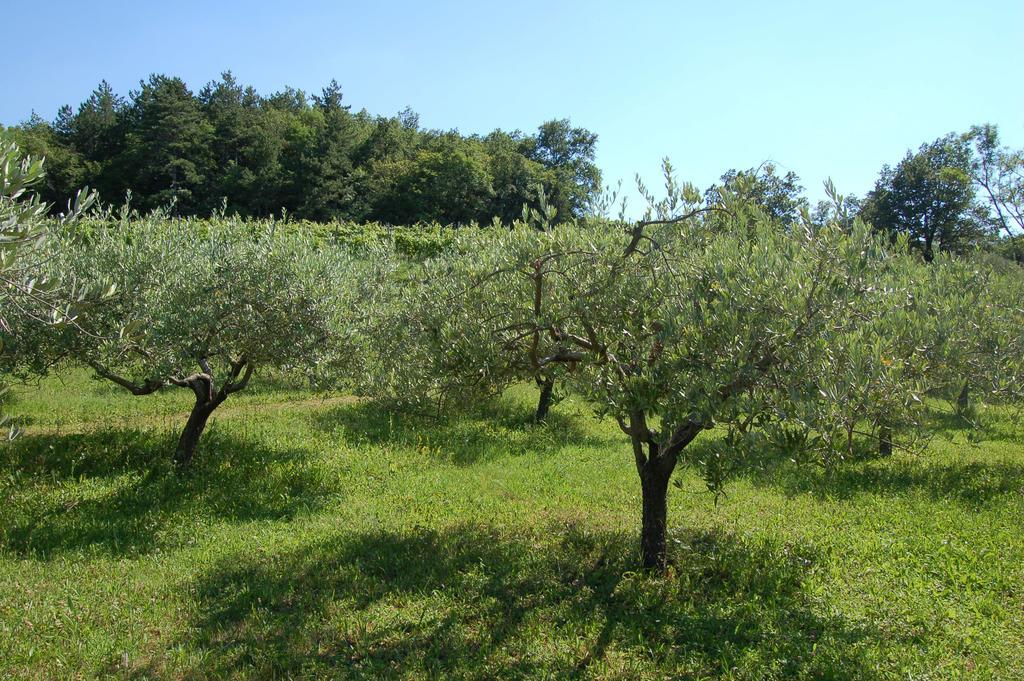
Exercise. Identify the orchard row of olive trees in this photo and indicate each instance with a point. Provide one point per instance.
(705, 315)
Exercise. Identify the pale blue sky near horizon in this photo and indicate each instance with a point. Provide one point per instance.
(823, 89)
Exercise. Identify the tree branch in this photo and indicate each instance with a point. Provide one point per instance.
(560, 356)
(233, 387)
(150, 386)
(201, 384)
(638, 228)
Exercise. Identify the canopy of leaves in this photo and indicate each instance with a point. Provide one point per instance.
(780, 196)
(313, 157)
(726, 317)
(929, 196)
(998, 173)
(195, 297)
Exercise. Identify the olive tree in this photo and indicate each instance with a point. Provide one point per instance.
(201, 306)
(718, 316)
(454, 340)
(715, 329)
(977, 321)
(27, 295)
(24, 287)
(947, 328)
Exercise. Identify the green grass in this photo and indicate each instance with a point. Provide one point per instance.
(331, 539)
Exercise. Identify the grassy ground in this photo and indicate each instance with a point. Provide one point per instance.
(329, 539)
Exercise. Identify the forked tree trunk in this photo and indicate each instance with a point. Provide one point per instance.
(653, 538)
(655, 460)
(208, 398)
(547, 387)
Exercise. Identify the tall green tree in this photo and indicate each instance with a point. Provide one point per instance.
(448, 182)
(168, 155)
(515, 179)
(998, 173)
(97, 132)
(228, 109)
(65, 168)
(780, 195)
(326, 171)
(569, 152)
(929, 196)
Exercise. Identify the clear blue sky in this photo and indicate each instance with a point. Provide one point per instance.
(821, 88)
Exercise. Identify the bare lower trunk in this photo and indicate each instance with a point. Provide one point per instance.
(653, 543)
(655, 460)
(963, 400)
(193, 430)
(885, 441)
(547, 387)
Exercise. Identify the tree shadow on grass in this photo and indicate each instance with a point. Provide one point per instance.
(971, 484)
(493, 430)
(1000, 426)
(470, 601)
(116, 492)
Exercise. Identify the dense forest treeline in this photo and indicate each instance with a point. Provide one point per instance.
(229, 147)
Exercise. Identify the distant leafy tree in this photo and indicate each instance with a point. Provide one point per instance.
(929, 196)
(827, 210)
(781, 196)
(98, 134)
(448, 182)
(245, 152)
(95, 129)
(515, 179)
(998, 172)
(310, 156)
(66, 170)
(568, 152)
(325, 173)
(382, 158)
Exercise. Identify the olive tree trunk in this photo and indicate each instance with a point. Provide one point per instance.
(654, 531)
(193, 430)
(655, 467)
(885, 441)
(208, 398)
(547, 387)
(963, 400)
